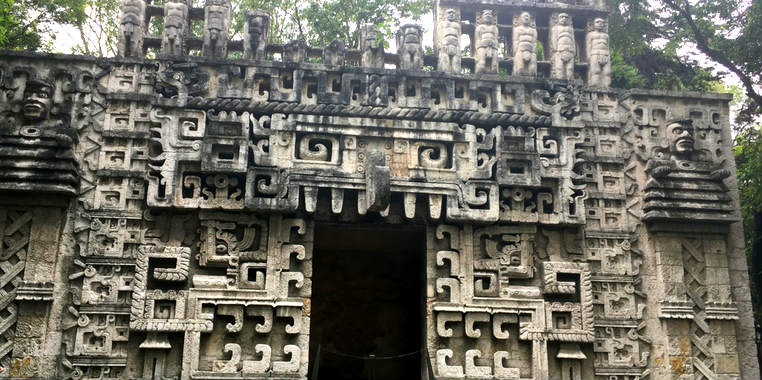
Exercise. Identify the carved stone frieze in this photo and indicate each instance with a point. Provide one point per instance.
(158, 209)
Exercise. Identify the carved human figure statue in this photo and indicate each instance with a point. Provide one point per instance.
(333, 54)
(255, 35)
(295, 51)
(175, 29)
(410, 48)
(216, 25)
(562, 46)
(448, 40)
(524, 45)
(487, 47)
(131, 28)
(370, 46)
(598, 54)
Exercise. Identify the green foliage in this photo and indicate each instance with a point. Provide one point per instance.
(24, 24)
(98, 32)
(748, 155)
(320, 22)
(729, 29)
(645, 50)
(340, 19)
(624, 75)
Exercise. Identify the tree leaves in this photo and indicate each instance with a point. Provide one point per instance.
(98, 33)
(25, 23)
(321, 21)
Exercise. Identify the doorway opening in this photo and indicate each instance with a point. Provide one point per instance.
(368, 303)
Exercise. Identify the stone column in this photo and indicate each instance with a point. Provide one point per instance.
(34, 238)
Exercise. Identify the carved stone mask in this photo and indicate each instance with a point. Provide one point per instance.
(680, 134)
(600, 24)
(130, 17)
(451, 16)
(488, 17)
(371, 37)
(37, 101)
(563, 19)
(412, 35)
(256, 26)
(173, 25)
(526, 19)
(215, 22)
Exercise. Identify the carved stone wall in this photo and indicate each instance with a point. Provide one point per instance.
(158, 209)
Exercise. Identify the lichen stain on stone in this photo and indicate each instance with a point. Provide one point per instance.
(678, 365)
(685, 346)
(20, 366)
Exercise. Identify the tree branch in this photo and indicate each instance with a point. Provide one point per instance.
(83, 37)
(703, 44)
(298, 20)
(24, 28)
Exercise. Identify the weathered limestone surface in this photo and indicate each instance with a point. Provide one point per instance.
(157, 215)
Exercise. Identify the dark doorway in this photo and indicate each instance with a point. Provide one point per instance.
(367, 300)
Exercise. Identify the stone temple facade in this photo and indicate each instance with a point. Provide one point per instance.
(180, 211)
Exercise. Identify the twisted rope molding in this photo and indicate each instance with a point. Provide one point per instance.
(694, 261)
(424, 114)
